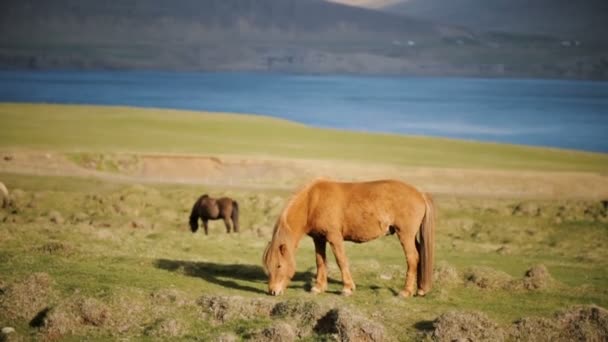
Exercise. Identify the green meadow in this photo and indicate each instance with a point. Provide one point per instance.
(98, 257)
(119, 129)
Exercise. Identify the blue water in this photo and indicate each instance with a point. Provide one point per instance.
(564, 114)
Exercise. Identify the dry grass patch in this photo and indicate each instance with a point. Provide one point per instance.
(276, 332)
(579, 323)
(487, 278)
(165, 328)
(465, 326)
(350, 326)
(26, 298)
(227, 308)
(73, 316)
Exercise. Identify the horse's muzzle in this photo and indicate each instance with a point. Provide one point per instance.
(275, 292)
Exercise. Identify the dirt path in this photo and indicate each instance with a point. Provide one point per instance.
(267, 172)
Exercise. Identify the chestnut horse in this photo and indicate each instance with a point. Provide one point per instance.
(335, 212)
(207, 208)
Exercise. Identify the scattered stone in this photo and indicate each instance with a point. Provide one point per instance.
(8, 330)
(9, 334)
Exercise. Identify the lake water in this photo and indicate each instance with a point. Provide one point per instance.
(564, 114)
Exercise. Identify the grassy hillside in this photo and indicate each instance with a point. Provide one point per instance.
(118, 129)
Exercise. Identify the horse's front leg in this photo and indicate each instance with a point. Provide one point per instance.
(206, 226)
(337, 247)
(228, 226)
(321, 282)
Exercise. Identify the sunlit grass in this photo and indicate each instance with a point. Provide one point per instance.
(121, 129)
(105, 257)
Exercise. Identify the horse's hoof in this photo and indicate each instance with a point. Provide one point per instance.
(315, 290)
(420, 293)
(347, 292)
(405, 294)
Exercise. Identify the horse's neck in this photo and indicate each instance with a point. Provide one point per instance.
(292, 227)
(285, 234)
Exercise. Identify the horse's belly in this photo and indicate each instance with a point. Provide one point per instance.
(366, 231)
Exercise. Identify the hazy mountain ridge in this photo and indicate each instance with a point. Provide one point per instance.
(308, 36)
(585, 20)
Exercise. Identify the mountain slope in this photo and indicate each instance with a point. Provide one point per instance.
(245, 16)
(303, 36)
(585, 19)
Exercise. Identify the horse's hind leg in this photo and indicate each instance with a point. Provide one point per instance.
(407, 237)
(228, 225)
(337, 247)
(321, 281)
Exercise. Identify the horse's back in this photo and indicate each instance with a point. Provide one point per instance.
(362, 211)
(384, 191)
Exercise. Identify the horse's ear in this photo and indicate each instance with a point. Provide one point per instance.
(283, 249)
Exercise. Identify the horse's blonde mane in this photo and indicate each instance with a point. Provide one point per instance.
(282, 222)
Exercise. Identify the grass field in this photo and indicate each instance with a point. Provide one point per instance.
(117, 129)
(93, 256)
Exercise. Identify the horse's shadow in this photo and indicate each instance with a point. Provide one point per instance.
(229, 275)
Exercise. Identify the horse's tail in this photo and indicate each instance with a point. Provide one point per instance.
(194, 214)
(235, 216)
(426, 247)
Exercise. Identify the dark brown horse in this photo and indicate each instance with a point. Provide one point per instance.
(207, 208)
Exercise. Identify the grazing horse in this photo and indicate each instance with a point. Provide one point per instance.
(207, 208)
(335, 212)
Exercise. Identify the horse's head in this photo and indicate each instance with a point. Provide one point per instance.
(194, 223)
(279, 262)
(194, 214)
